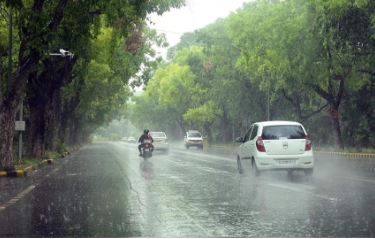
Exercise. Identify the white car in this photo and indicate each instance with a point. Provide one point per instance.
(193, 138)
(131, 139)
(276, 145)
(160, 141)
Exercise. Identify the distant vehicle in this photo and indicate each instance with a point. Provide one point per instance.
(193, 138)
(276, 145)
(160, 141)
(124, 139)
(131, 139)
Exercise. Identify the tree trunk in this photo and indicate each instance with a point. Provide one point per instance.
(207, 129)
(226, 128)
(334, 116)
(52, 117)
(7, 121)
(35, 129)
(28, 58)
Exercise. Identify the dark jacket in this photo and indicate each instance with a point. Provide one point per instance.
(145, 136)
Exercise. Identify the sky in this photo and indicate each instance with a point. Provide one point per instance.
(194, 15)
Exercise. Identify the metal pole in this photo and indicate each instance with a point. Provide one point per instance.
(268, 103)
(10, 39)
(20, 138)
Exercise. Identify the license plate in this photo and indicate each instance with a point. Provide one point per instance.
(287, 161)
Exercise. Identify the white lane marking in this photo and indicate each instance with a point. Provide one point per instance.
(361, 179)
(177, 151)
(176, 178)
(207, 233)
(202, 168)
(17, 197)
(299, 190)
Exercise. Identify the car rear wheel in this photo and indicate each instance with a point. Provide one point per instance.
(309, 172)
(239, 165)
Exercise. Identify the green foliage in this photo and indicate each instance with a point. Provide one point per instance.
(204, 114)
(302, 56)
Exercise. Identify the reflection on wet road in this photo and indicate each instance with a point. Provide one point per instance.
(106, 190)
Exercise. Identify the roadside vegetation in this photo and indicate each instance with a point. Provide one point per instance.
(311, 61)
(67, 97)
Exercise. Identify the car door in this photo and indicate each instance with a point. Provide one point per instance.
(244, 145)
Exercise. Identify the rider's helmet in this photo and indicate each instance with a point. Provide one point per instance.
(146, 131)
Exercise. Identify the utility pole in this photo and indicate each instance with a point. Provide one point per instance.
(268, 103)
(20, 135)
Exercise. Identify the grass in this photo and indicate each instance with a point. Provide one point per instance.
(33, 161)
(26, 162)
(52, 154)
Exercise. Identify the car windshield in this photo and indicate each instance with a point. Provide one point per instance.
(195, 135)
(283, 131)
(158, 134)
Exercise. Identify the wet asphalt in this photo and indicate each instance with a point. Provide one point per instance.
(107, 190)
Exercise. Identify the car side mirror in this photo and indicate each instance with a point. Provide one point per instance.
(239, 139)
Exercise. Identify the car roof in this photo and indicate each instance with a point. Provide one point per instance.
(277, 122)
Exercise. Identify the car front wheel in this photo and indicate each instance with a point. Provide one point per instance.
(239, 165)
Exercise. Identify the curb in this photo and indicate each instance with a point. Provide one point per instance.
(13, 173)
(370, 156)
(348, 155)
(25, 171)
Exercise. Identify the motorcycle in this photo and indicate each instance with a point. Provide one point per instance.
(147, 149)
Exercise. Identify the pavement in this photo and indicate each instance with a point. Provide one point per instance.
(106, 190)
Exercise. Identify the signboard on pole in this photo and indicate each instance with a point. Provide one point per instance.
(20, 126)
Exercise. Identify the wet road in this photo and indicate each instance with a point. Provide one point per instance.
(106, 190)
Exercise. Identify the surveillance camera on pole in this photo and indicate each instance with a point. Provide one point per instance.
(63, 52)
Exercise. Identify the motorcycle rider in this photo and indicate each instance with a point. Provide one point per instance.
(141, 140)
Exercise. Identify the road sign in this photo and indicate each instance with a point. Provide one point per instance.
(20, 126)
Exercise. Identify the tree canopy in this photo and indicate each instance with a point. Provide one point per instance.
(309, 61)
